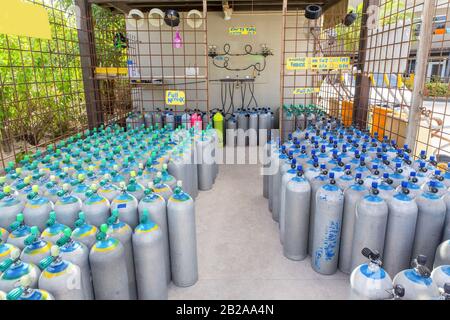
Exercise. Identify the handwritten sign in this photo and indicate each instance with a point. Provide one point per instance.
(242, 31)
(175, 98)
(306, 90)
(318, 63)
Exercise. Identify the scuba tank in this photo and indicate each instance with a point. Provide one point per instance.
(149, 254)
(296, 221)
(441, 277)
(67, 206)
(205, 162)
(50, 189)
(446, 231)
(385, 188)
(352, 195)
(37, 209)
(25, 292)
(5, 248)
(167, 178)
(122, 232)
(13, 269)
(161, 188)
(60, 277)
(266, 165)
(36, 248)
(127, 206)
(117, 177)
(84, 232)
(109, 268)
(19, 232)
(327, 227)
(430, 222)
(438, 183)
(156, 207)
(369, 281)
(398, 176)
(134, 188)
(242, 127)
(107, 189)
(413, 188)
(79, 188)
(253, 129)
(53, 230)
(10, 206)
(283, 161)
(417, 281)
(400, 230)
(78, 254)
(24, 188)
(182, 238)
(442, 256)
(347, 179)
(370, 225)
(287, 176)
(316, 184)
(231, 133)
(95, 207)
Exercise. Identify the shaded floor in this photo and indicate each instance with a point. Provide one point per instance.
(239, 251)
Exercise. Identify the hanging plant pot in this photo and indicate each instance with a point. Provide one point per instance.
(172, 18)
(313, 12)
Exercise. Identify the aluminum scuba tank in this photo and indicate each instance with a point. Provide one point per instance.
(242, 127)
(84, 232)
(19, 232)
(25, 292)
(134, 188)
(122, 232)
(205, 162)
(156, 206)
(413, 188)
(109, 268)
(283, 165)
(327, 227)
(36, 248)
(442, 256)
(287, 176)
(438, 183)
(400, 230)
(441, 277)
(296, 221)
(347, 179)
(127, 206)
(50, 189)
(148, 250)
(231, 134)
(182, 238)
(446, 231)
(37, 209)
(370, 225)
(5, 248)
(385, 188)
(263, 127)
(316, 184)
(60, 277)
(417, 281)
(95, 207)
(107, 189)
(430, 222)
(253, 129)
(352, 195)
(167, 178)
(79, 188)
(161, 188)
(13, 269)
(67, 206)
(77, 253)
(10, 206)
(375, 176)
(369, 281)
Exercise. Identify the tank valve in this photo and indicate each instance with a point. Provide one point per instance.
(373, 256)
(399, 292)
(419, 265)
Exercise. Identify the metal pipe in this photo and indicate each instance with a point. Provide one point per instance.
(423, 52)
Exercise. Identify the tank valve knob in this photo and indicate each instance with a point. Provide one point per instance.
(399, 291)
(419, 266)
(373, 256)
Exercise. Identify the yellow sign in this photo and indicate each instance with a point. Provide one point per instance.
(242, 31)
(306, 90)
(175, 98)
(111, 71)
(318, 63)
(24, 19)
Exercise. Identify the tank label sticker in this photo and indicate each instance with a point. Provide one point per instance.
(302, 91)
(318, 63)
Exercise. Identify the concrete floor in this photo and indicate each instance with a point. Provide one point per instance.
(239, 251)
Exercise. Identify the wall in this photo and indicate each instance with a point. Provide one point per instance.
(150, 43)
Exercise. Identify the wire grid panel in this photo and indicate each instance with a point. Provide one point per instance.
(161, 64)
(42, 97)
